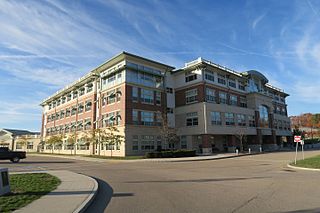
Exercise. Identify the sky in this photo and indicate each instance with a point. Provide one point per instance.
(47, 44)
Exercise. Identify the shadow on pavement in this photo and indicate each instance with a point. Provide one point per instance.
(304, 211)
(122, 194)
(197, 180)
(35, 162)
(102, 198)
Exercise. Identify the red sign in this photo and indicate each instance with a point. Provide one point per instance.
(297, 138)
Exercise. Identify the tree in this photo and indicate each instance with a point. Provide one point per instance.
(168, 134)
(53, 140)
(112, 137)
(72, 139)
(95, 136)
(240, 134)
(23, 140)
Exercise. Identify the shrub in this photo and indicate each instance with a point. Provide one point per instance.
(171, 154)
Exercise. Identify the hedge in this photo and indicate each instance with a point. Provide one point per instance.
(171, 154)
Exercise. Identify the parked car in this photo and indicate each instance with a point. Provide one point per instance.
(13, 156)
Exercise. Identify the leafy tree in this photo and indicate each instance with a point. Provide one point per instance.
(72, 139)
(53, 140)
(112, 137)
(95, 136)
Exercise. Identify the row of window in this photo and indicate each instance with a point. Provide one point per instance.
(70, 127)
(151, 142)
(72, 95)
(70, 111)
(147, 118)
(281, 125)
(111, 97)
(143, 78)
(191, 96)
(231, 119)
(111, 80)
(146, 96)
(210, 76)
(280, 110)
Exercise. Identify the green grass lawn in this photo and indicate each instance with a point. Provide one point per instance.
(26, 188)
(313, 162)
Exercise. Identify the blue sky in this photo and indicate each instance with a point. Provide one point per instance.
(45, 45)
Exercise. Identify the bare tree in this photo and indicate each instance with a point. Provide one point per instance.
(168, 134)
(240, 134)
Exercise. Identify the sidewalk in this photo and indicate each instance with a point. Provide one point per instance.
(183, 159)
(74, 194)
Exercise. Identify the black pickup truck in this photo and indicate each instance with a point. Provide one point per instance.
(13, 156)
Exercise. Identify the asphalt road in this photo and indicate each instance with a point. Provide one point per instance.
(260, 183)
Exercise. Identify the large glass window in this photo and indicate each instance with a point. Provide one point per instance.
(232, 83)
(222, 97)
(215, 118)
(233, 100)
(190, 76)
(191, 96)
(229, 118)
(241, 120)
(192, 119)
(134, 94)
(210, 95)
(147, 96)
(264, 116)
(147, 118)
(209, 75)
(135, 117)
(222, 79)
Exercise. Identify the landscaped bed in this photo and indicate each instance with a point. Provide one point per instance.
(26, 188)
(313, 162)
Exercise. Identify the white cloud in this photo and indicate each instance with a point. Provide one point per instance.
(257, 20)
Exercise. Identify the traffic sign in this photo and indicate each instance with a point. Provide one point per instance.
(297, 138)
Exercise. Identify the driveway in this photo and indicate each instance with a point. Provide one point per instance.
(259, 183)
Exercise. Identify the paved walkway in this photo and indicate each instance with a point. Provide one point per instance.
(74, 194)
(196, 158)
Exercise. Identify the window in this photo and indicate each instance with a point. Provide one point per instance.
(134, 94)
(191, 96)
(88, 105)
(243, 102)
(80, 108)
(82, 90)
(135, 143)
(147, 142)
(222, 98)
(75, 94)
(215, 118)
(68, 112)
(103, 100)
(135, 117)
(210, 95)
(29, 145)
(61, 114)
(222, 79)
(229, 118)
(111, 97)
(147, 96)
(264, 116)
(241, 120)
(158, 121)
(80, 125)
(192, 119)
(169, 90)
(233, 100)
(89, 87)
(73, 110)
(183, 142)
(252, 121)
(87, 123)
(58, 102)
(118, 94)
(280, 124)
(158, 98)
(190, 76)
(69, 97)
(147, 118)
(209, 75)
(232, 83)
(63, 100)
(50, 106)
(275, 124)
(118, 118)
(283, 111)
(241, 86)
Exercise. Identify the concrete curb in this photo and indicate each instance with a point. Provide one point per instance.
(77, 206)
(302, 168)
(90, 198)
